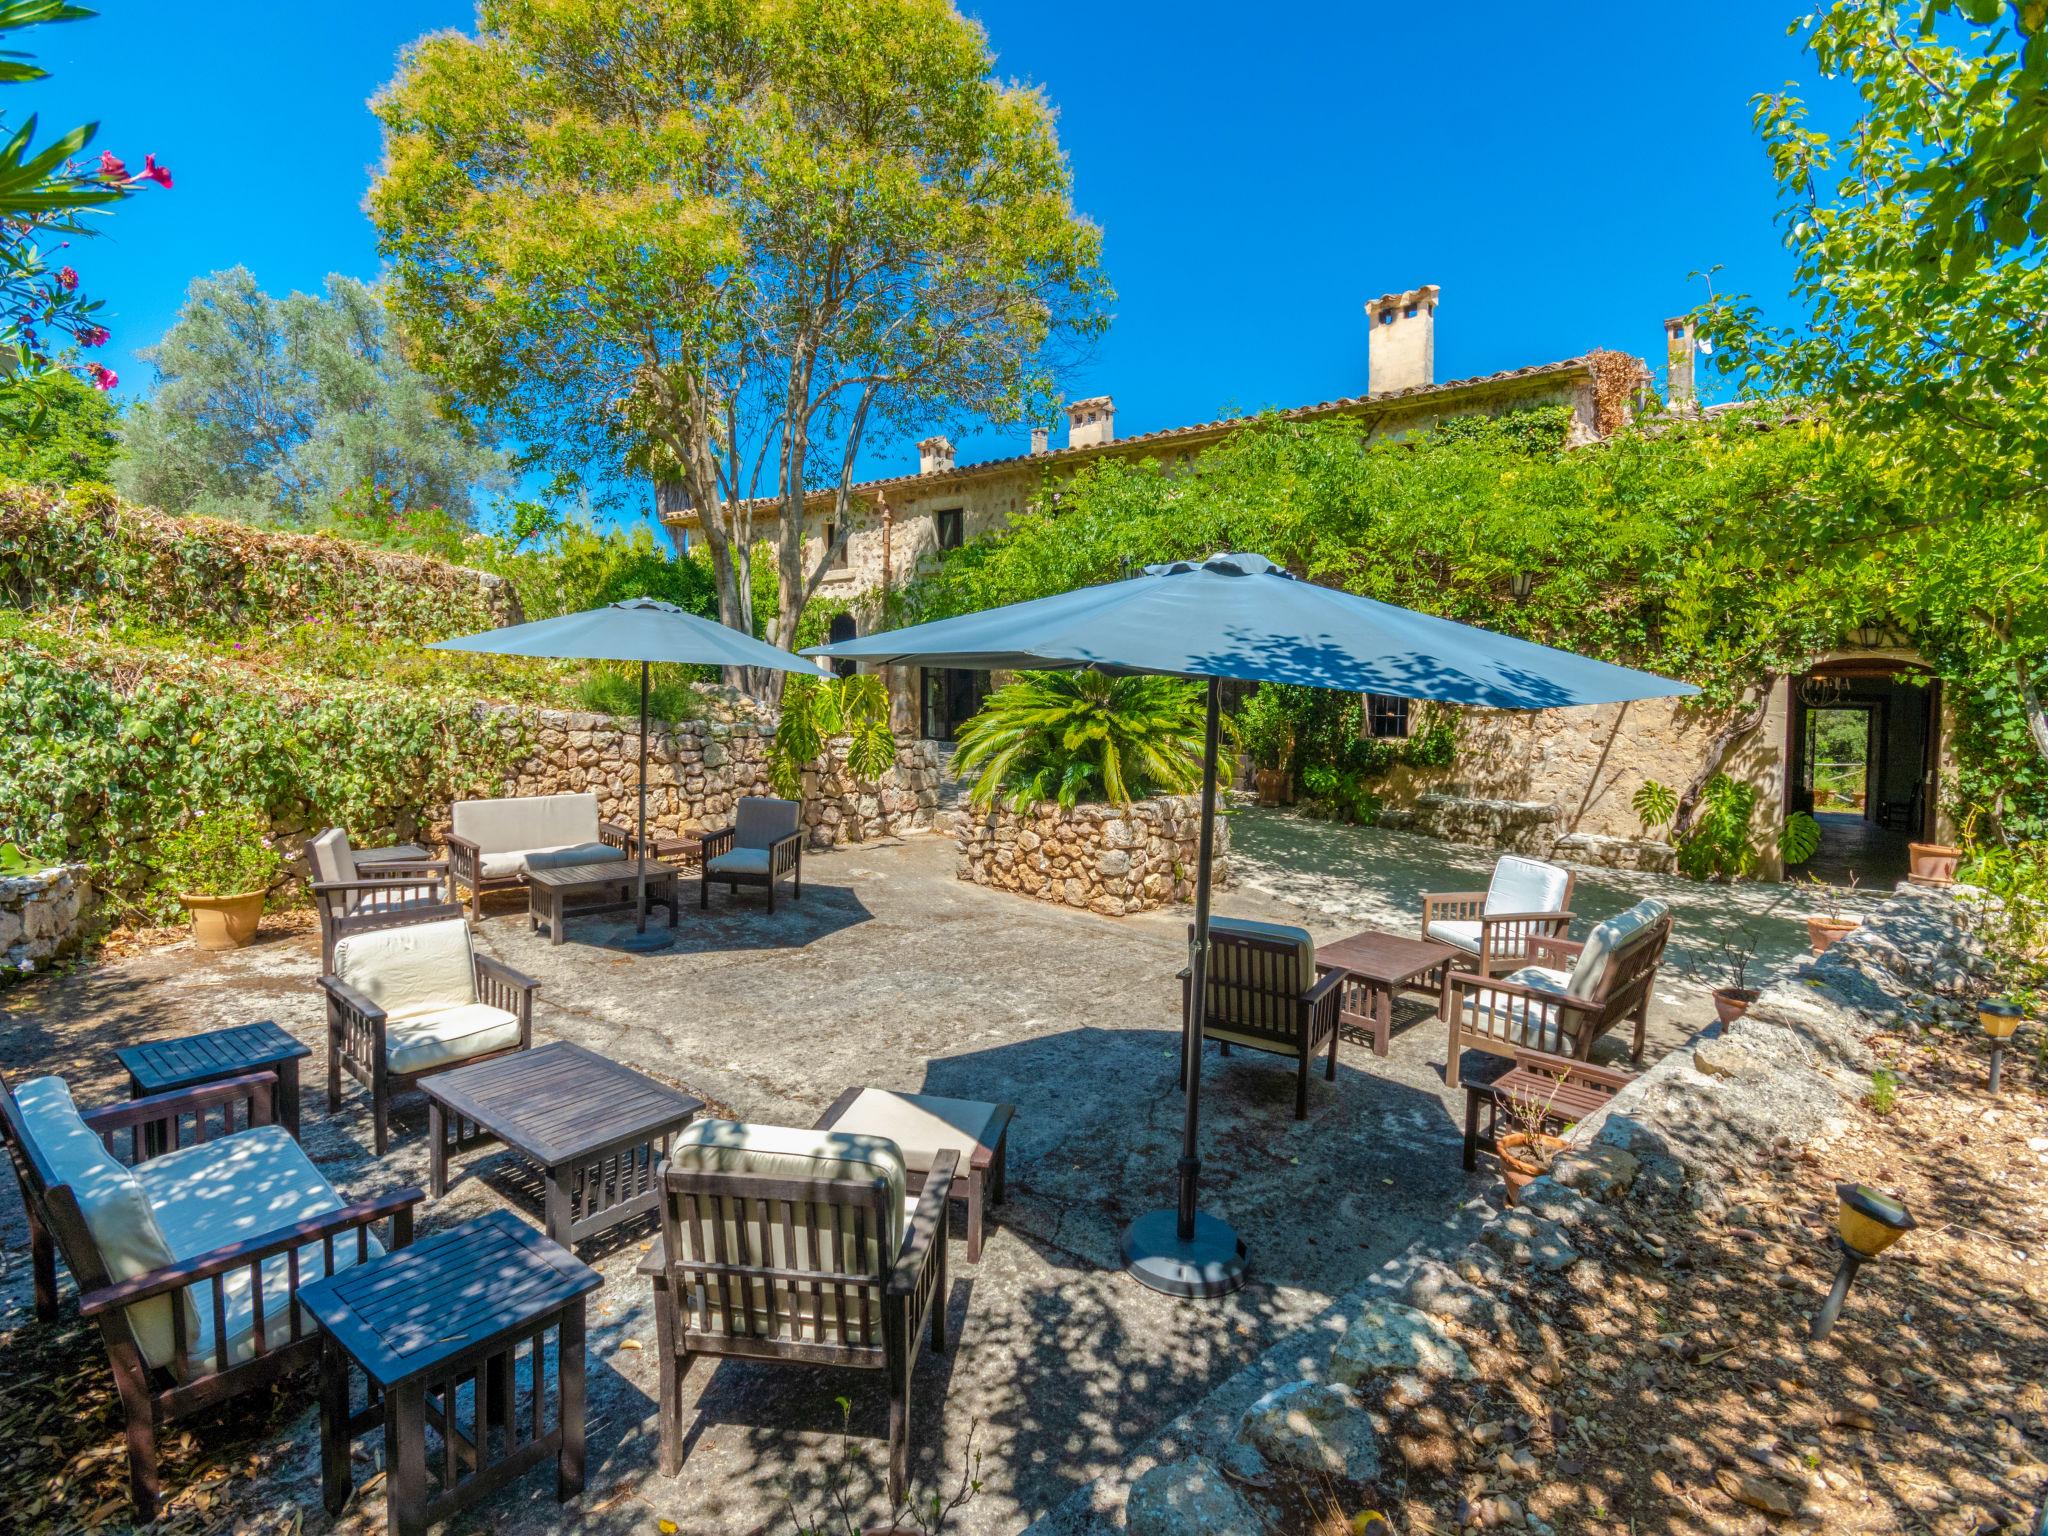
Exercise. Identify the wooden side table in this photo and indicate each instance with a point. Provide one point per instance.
(465, 1306)
(162, 1066)
(1376, 966)
(1564, 1093)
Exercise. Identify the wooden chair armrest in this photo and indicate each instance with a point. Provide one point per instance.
(927, 1224)
(717, 842)
(257, 1087)
(348, 997)
(654, 1262)
(1464, 981)
(614, 834)
(219, 1261)
(1556, 947)
(1488, 918)
(1454, 901)
(498, 970)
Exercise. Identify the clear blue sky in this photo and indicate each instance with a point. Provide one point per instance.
(1258, 172)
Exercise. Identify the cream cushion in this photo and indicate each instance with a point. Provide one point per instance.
(921, 1124)
(333, 859)
(420, 969)
(1530, 1024)
(739, 861)
(728, 1146)
(421, 1042)
(1460, 931)
(527, 823)
(230, 1190)
(1525, 885)
(111, 1198)
(1608, 939)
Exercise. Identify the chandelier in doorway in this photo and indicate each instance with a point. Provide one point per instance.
(1820, 692)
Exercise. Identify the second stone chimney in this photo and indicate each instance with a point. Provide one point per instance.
(1040, 439)
(1678, 354)
(1401, 352)
(1091, 421)
(934, 456)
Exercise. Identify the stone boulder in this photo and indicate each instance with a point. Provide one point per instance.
(1313, 1426)
(1386, 1338)
(1189, 1497)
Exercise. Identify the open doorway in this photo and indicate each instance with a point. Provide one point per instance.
(1865, 742)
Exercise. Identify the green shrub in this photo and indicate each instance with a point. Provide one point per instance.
(1264, 728)
(1718, 847)
(220, 852)
(1084, 736)
(818, 710)
(614, 689)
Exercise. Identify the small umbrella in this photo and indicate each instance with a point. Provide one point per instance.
(1241, 616)
(640, 629)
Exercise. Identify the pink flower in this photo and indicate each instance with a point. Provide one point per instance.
(67, 279)
(93, 336)
(160, 174)
(112, 166)
(104, 377)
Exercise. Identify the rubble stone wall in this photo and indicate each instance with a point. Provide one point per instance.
(42, 916)
(1110, 859)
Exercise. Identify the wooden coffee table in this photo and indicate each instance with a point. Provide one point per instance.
(577, 890)
(161, 1066)
(1375, 967)
(597, 1131)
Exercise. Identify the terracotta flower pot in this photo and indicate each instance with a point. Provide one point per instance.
(1823, 931)
(224, 922)
(1518, 1165)
(1270, 785)
(1932, 863)
(1731, 1003)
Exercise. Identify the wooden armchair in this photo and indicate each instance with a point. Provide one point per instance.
(188, 1255)
(1527, 899)
(1264, 994)
(801, 1247)
(764, 844)
(1571, 995)
(357, 898)
(403, 1003)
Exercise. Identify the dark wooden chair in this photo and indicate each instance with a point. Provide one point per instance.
(195, 1293)
(1557, 1090)
(1572, 993)
(764, 845)
(1264, 994)
(403, 1003)
(800, 1247)
(1526, 899)
(353, 898)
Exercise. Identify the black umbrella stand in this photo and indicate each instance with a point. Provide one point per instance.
(1184, 1251)
(642, 941)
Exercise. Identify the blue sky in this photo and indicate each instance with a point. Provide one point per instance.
(1557, 169)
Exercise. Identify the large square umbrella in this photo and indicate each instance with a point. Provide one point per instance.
(1241, 616)
(645, 630)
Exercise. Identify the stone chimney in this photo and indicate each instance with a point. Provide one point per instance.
(1401, 353)
(1040, 438)
(934, 456)
(1678, 352)
(1091, 421)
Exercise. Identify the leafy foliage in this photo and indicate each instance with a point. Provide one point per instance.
(223, 850)
(816, 711)
(1719, 847)
(615, 690)
(1084, 736)
(1264, 728)
(1799, 839)
(75, 436)
(1655, 803)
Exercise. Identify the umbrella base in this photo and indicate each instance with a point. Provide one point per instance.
(1207, 1265)
(647, 942)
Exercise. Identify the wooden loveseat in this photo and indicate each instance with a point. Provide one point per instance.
(189, 1258)
(1571, 993)
(493, 843)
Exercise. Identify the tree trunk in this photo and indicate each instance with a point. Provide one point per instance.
(1729, 737)
(2030, 699)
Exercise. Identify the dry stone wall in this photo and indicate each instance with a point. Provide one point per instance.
(1107, 858)
(42, 916)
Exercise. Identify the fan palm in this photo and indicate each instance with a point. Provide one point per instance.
(1074, 736)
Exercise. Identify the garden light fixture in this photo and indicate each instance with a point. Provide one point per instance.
(1522, 583)
(1867, 1222)
(1999, 1018)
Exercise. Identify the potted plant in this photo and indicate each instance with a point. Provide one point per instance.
(1932, 863)
(1267, 736)
(1732, 1001)
(1832, 922)
(220, 868)
(1527, 1151)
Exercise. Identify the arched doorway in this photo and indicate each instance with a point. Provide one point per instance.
(1863, 752)
(843, 627)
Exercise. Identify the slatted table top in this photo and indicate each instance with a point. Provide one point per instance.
(558, 1102)
(1567, 1101)
(1387, 958)
(403, 1314)
(158, 1066)
(573, 877)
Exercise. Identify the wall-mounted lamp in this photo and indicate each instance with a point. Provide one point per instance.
(2000, 1019)
(1867, 1221)
(1521, 583)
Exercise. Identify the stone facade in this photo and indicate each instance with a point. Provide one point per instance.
(42, 916)
(1107, 858)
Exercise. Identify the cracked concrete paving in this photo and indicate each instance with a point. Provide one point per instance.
(892, 972)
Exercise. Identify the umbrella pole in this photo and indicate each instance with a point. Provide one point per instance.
(640, 898)
(1185, 1251)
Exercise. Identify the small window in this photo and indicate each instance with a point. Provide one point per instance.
(952, 528)
(839, 554)
(1409, 311)
(1385, 715)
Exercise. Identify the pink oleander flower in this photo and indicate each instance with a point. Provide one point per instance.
(67, 279)
(160, 174)
(104, 377)
(112, 165)
(93, 336)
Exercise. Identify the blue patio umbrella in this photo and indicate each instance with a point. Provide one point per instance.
(645, 630)
(1241, 616)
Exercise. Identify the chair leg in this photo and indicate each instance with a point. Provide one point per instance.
(675, 1371)
(975, 1196)
(899, 1441)
(1330, 1071)
(333, 1069)
(1451, 1059)
(1301, 1083)
(43, 1261)
(771, 896)
(380, 1115)
(140, 1414)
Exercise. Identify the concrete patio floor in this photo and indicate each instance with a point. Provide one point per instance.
(892, 972)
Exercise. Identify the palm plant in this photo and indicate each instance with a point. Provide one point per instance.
(1074, 736)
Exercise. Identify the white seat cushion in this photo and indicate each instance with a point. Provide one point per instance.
(921, 1124)
(575, 853)
(1535, 1025)
(418, 969)
(739, 861)
(420, 1042)
(1526, 885)
(111, 1198)
(526, 823)
(230, 1190)
(1608, 939)
(1459, 931)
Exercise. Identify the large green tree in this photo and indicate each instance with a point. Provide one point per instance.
(57, 430)
(1919, 232)
(290, 410)
(733, 241)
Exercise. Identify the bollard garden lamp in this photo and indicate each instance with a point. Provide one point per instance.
(2000, 1017)
(1867, 1222)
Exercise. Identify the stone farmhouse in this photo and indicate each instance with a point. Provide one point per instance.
(1549, 783)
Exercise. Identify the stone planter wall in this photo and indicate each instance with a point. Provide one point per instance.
(42, 916)
(838, 809)
(1532, 827)
(1107, 858)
